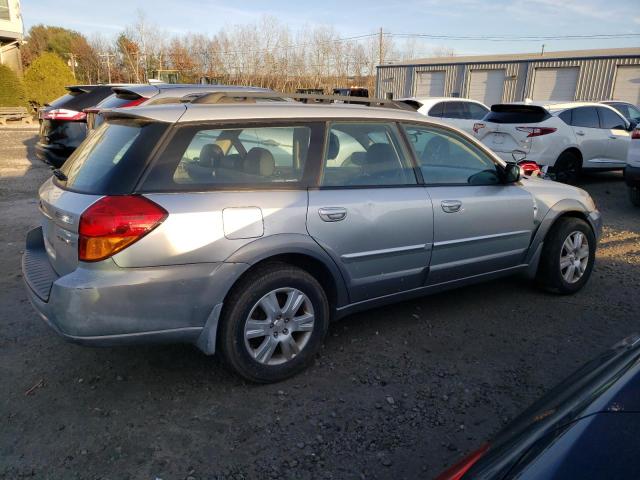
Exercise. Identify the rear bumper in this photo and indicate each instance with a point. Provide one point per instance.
(632, 176)
(52, 155)
(102, 304)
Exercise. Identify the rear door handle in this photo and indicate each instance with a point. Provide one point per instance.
(580, 133)
(451, 206)
(332, 214)
(612, 137)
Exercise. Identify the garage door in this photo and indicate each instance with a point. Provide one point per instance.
(555, 83)
(430, 84)
(627, 86)
(486, 86)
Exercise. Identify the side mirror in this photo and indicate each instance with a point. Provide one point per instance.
(511, 173)
(632, 125)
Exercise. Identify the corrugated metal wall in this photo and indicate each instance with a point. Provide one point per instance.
(595, 82)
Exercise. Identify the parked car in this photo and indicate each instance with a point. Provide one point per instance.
(352, 91)
(565, 137)
(156, 94)
(628, 110)
(587, 427)
(63, 123)
(245, 228)
(462, 113)
(632, 170)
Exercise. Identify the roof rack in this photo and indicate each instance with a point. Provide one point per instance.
(252, 97)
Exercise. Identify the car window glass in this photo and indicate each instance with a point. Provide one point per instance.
(360, 154)
(446, 158)
(437, 110)
(454, 110)
(476, 112)
(566, 116)
(634, 113)
(610, 120)
(585, 117)
(244, 156)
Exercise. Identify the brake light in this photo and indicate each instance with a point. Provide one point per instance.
(64, 114)
(536, 131)
(457, 471)
(635, 135)
(477, 127)
(133, 103)
(113, 223)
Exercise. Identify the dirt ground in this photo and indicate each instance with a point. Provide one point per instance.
(398, 392)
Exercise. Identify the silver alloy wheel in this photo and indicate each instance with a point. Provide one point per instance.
(279, 326)
(574, 257)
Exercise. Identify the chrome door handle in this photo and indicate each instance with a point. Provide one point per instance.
(332, 214)
(580, 133)
(612, 137)
(451, 206)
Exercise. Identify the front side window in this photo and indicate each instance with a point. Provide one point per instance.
(244, 157)
(476, 112)
(610, 120)
(586, 117)
(363, 154)
(446, 158)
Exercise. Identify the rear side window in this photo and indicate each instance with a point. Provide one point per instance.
(437, 110)
(610, 120)
(476, 112)
(202, 158)
(586, 117)
(365, 154)
(111, 159)
(454, 110)
(516, 114)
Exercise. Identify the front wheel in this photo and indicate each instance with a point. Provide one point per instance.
(273, 323)
(634, 195)
(568, 256)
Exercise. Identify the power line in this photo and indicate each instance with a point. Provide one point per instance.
(515, 38)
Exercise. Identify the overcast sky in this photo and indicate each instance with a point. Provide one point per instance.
(356, 17)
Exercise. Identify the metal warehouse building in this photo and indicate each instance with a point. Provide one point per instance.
(571, 75)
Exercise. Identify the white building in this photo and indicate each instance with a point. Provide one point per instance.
(11, 34)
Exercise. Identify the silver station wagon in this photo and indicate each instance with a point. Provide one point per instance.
(246, 228)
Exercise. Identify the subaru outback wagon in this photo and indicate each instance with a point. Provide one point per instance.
(245, 229)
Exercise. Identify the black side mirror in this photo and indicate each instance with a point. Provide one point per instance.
(511, 173)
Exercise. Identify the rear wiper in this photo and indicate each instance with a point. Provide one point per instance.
(59, 174)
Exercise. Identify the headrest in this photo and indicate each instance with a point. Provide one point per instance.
(259, 161)
(210, 155)
(380, 153)
(334, 146)
(435, 148)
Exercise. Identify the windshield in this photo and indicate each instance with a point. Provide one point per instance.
(112, 157)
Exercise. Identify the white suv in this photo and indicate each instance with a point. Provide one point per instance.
(458, 112)
(567, 137)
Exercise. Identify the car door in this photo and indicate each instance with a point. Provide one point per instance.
(619, 137)
(480, 224)
(368, 211)
(590, 138)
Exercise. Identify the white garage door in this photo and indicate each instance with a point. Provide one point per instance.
(627, 86)
(430, 84)
(555, 83)
(486, 86)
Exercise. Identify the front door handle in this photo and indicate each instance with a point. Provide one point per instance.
(580, 133)
(612, 137)
(332, 214)
(451, 206)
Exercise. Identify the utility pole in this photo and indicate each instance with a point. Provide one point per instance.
(108, 56)
(380, 48)
(72, 63)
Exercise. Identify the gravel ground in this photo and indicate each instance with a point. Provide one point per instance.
(398, 392)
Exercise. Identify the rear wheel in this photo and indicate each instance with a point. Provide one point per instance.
(273, 323)
(567, 168)
(634, 195)
(567, 257)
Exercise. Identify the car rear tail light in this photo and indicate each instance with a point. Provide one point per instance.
(64, 114)
(477, 127)
(113, 223)
(536, 131)
(457, 471)
(635, 135)
(529, 167)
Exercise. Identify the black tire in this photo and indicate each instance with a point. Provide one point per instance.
(550, 276)
(634, 195)
(567, 168)
(236, 311)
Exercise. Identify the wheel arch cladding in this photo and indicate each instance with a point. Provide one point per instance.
(575, 150)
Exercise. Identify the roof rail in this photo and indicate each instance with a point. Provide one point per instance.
(251, 97)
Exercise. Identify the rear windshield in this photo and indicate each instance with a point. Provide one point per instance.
(516, 114)
(117, 101)
(111, 159)
(78, 99)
